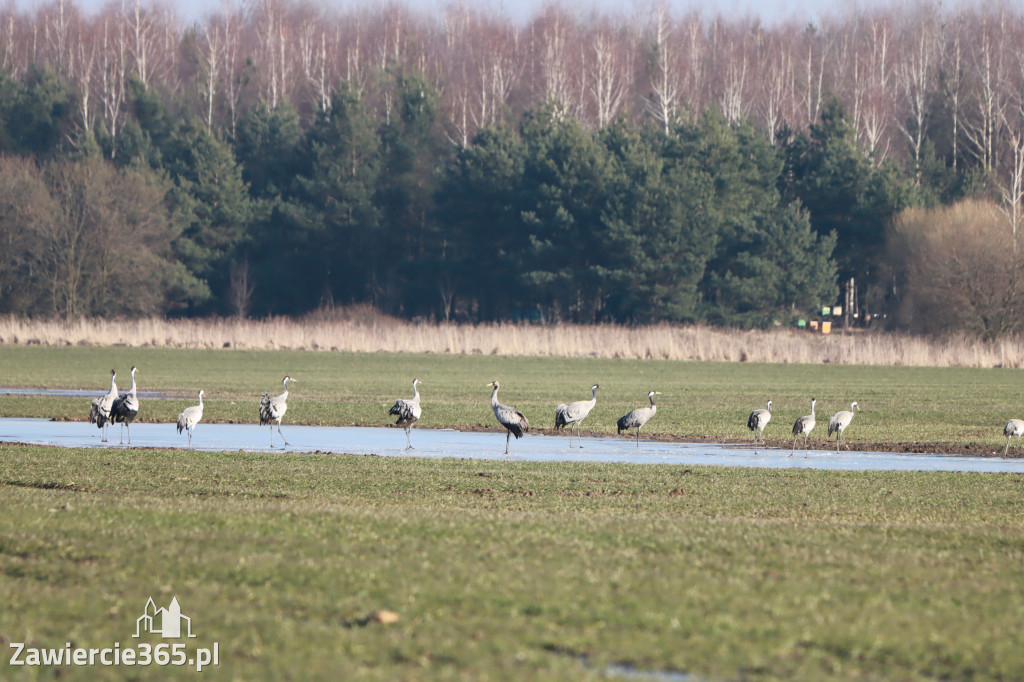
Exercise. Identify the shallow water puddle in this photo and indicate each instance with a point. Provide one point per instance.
(390, 441)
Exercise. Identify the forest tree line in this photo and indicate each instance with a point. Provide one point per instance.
(280, 157)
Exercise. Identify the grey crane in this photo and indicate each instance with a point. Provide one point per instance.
(99, 412)
(273, 409)
(408, 411)
(189, 417)
(1014, 427)
(509, 417)
(574, 413)
(839, 421)
(125, 408)
(638, 417)
(759, 419)
(804, 425)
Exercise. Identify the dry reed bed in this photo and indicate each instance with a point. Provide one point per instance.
(382, 333)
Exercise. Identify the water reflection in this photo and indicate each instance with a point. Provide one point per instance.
(490, 445)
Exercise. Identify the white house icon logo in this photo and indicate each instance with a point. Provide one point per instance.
(166, 622)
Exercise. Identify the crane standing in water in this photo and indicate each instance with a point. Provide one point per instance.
(1014, 427)
(803, 426)
(574, 413)
(99, 412)
(189, 417)
(839, 421)
(408, 412)
(273, 409)
(125, 408)
(638, 417)
(509, 417)
(759, 419)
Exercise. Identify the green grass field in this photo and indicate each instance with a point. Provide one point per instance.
(513, 570)
(522, 571)
(700, 400)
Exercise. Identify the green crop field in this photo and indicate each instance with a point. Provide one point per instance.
(899, 405)
(524, 571)
(513, 570)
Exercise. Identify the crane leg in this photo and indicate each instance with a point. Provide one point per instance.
(280, 434)
(508, 438)
(407, 439)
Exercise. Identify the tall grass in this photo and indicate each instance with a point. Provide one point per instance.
(362, 330)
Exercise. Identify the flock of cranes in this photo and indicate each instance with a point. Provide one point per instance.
(804, 425)
(114, 408)
(111, 408)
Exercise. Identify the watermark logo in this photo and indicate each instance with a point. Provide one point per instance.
(164, 622)
(169, 623)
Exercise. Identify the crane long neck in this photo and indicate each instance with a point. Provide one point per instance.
(415, 392)
(651, 398)
(494, 396)
(132, 389)
(113, 383)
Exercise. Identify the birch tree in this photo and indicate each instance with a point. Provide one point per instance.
(988, 59)
(555, 44)
(953, 87)
(609, 67)
(812, 66)
(777, 81)
(317, 42)
(112, 65)
(59, 31)
(663, 101)
(142, 37)
(274, 43)
(915, 73)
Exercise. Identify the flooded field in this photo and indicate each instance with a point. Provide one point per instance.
(484, 445)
